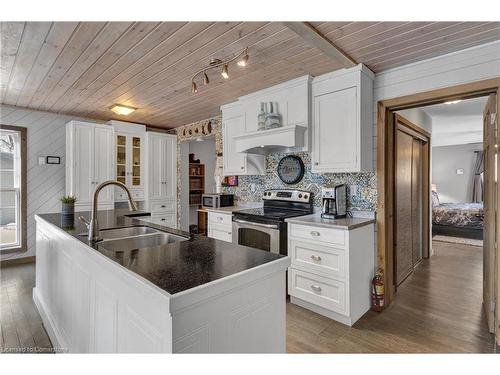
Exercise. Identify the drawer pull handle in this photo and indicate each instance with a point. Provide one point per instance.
(162, 219)
(316, 258)
(162, 206)
(316, 288)
(315, 233)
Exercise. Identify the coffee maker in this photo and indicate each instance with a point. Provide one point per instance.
(334, 202)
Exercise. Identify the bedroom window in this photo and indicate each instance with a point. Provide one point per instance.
(12, 189)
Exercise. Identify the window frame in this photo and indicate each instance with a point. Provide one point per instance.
(23, 192)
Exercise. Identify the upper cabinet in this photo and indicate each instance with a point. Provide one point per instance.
(89, 161)
(130, 157)
(342, 125)
(236, 163)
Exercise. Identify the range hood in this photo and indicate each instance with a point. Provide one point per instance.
(284, 139)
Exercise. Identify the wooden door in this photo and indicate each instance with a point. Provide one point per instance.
(490, 204)
(411, 180)
(403, 244)
(339, 107)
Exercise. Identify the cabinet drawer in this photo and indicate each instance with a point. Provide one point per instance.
(321, 291)
(137, 194)
(220, 219)
(162, 206)
(317, 258)
(169, 220)
(318, 234)
(220, 232)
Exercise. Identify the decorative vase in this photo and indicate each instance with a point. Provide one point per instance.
(68, 209)
(272, 118)
(261, 118)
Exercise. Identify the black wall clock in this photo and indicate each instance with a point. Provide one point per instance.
(291, 169)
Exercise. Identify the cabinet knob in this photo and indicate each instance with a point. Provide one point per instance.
(163, 219)
(315, 234)
(316, 288)
(316, 163)
(316, 258)
(242, 168)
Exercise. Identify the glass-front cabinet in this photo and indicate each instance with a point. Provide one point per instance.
(130, 164)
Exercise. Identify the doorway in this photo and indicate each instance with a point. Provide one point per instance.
(387, 223)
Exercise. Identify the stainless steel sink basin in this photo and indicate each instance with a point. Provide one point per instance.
(110, 234)
(149, 240)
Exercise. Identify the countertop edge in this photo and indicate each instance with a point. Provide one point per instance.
(306, 221)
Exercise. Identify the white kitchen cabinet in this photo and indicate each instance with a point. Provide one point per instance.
(331, 270)
(220, 226)
(236, 163)
(89, 161)
(162, 178)
(342, 128)
(130, 156)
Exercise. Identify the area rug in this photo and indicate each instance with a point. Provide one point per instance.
(459, 240)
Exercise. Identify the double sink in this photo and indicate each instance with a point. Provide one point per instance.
(136, 237)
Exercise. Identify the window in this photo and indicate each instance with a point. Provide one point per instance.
(12, 188)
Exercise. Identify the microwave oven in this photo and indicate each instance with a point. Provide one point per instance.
(217, 200)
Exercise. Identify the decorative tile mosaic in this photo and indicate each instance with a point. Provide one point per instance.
(250, 188)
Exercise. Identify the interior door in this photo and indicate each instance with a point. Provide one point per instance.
(417, 201)
(403, 205)
(490, 213)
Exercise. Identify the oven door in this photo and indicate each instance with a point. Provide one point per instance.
(258, 235)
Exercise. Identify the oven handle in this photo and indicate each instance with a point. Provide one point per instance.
(272, 226)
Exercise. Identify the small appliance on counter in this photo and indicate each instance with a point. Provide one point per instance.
(334, 202)
(216, 200)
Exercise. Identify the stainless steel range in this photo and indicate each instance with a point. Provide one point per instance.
(265, 228)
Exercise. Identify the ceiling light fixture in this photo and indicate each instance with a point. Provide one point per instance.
(453, 101)
(241, 58)
(121, 109)
(225, 72)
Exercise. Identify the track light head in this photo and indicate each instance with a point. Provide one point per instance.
(225, 72)
(194, 89)
(244, 60)
(206, 81)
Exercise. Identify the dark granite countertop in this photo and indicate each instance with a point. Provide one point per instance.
(174, 267)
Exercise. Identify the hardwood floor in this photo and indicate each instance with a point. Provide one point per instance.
(437, 310)
(21, 325)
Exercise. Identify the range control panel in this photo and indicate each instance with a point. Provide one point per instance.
(288, 195)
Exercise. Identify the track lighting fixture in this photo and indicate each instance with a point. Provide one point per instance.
(225, 73)
(241, 59)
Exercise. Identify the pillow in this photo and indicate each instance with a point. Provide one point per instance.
(435, 199)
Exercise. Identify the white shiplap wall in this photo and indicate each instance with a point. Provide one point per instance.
(46, 183)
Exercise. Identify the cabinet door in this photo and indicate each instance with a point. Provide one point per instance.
(103, 162)
(234, 162)
(169, 168)
(83, 164)
(136, 161)
(121, 158)
(335, 128)
(155, 147)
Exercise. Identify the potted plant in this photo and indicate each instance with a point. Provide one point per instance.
(68, 205)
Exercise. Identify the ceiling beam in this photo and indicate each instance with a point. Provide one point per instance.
(312, 36)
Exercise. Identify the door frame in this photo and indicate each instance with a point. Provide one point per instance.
(385, 169)
(417, 132)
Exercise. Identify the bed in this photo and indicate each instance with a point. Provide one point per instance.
(457, 219)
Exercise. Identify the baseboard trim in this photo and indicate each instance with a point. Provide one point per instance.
(48, 325)
(322, 311)
(16, 261)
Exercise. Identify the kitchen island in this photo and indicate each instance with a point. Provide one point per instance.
(156, 290)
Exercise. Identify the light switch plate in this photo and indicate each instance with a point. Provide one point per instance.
(41, 160)
(460, 171)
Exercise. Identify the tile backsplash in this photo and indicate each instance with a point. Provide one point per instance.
(250, 188)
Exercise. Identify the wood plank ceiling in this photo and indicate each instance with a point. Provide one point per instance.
(84, 68)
